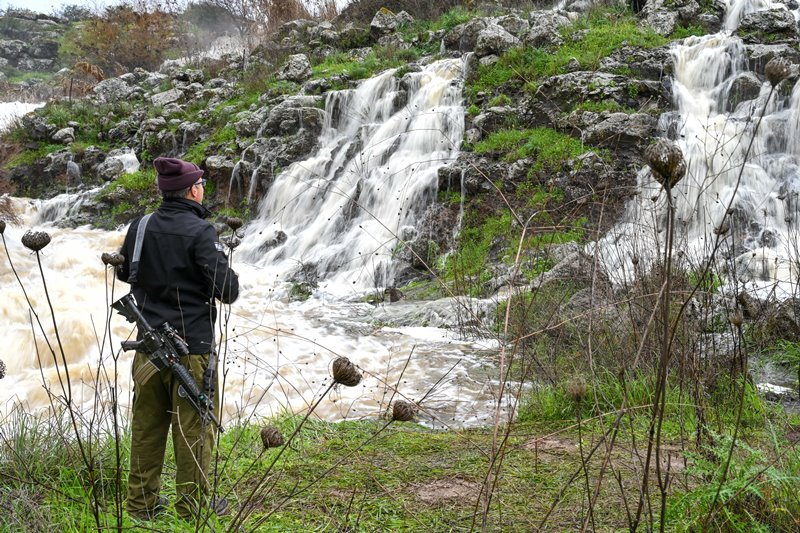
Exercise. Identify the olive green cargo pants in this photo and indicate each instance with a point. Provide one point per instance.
(156, 407)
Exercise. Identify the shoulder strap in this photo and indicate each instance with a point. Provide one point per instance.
(137, 250)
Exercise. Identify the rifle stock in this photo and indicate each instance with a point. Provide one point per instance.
(165, 347)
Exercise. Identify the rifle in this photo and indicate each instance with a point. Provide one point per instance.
(165, 347)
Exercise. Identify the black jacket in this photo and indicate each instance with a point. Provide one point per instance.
(182, 270)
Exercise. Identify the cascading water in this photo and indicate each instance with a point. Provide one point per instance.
(737, 203)
(343, 210)
(374, 173)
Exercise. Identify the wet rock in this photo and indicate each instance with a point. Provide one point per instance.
(189, 133)
(745, 86)
(760, 54)
(294, 113)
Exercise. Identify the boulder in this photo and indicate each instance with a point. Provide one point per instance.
(110, 169)
(464, 37)
(37, 127)
(383, 23)
(744, 86)
(622, 131)
(493, 119)
(759, 54)
(297, 68)
(769, 26)
(493, 39)
(113, 90)
(514, 24)
(294, 113)
(64, 136)
(167, 97)
(665, 16)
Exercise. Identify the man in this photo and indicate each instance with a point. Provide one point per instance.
(178, 273)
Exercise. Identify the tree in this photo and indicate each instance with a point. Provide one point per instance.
(126, 36)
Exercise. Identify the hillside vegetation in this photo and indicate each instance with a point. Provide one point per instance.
(629, 411)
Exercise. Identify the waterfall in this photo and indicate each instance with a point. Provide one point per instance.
(734, 207)
(375, 171)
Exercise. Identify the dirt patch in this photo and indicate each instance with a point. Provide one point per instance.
(451, 490)
(552, 446)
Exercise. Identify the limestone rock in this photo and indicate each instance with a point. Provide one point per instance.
(297, 68)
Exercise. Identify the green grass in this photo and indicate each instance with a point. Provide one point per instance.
(547, 146)
(367, 476)
(606, 31)
(379, 59)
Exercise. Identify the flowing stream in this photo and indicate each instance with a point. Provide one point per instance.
(341, 212)
(755, 186)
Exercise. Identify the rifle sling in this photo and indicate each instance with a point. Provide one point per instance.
(133, 275)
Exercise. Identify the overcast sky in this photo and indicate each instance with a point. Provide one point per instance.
(42, 6)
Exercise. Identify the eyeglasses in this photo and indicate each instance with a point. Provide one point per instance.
(202, 183)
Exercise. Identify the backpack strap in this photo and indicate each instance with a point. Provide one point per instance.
(137, 250)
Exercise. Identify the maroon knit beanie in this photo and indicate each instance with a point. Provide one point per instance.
(175, 174)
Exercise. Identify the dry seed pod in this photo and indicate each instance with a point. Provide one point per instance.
(114, 259)
(2, 369)
(577, 389)
(231, 241)
(271, 437)
(2, 226)
(234, 223)
(35, 240)
(777, 70)
(345, 372)
(403, 411)
(666, 161)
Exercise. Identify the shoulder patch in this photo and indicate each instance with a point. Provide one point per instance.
(220, 247)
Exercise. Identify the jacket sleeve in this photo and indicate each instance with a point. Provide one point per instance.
(213, 262)
(124, 270)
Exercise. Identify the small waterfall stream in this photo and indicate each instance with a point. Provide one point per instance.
(757, 190)
(343, 209)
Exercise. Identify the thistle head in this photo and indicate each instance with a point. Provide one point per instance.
(577, 389)
(345, 372)
(271, 437)
(234, 223)
(403, 411)
(666, 162)
(35, 240)
(777, 70)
